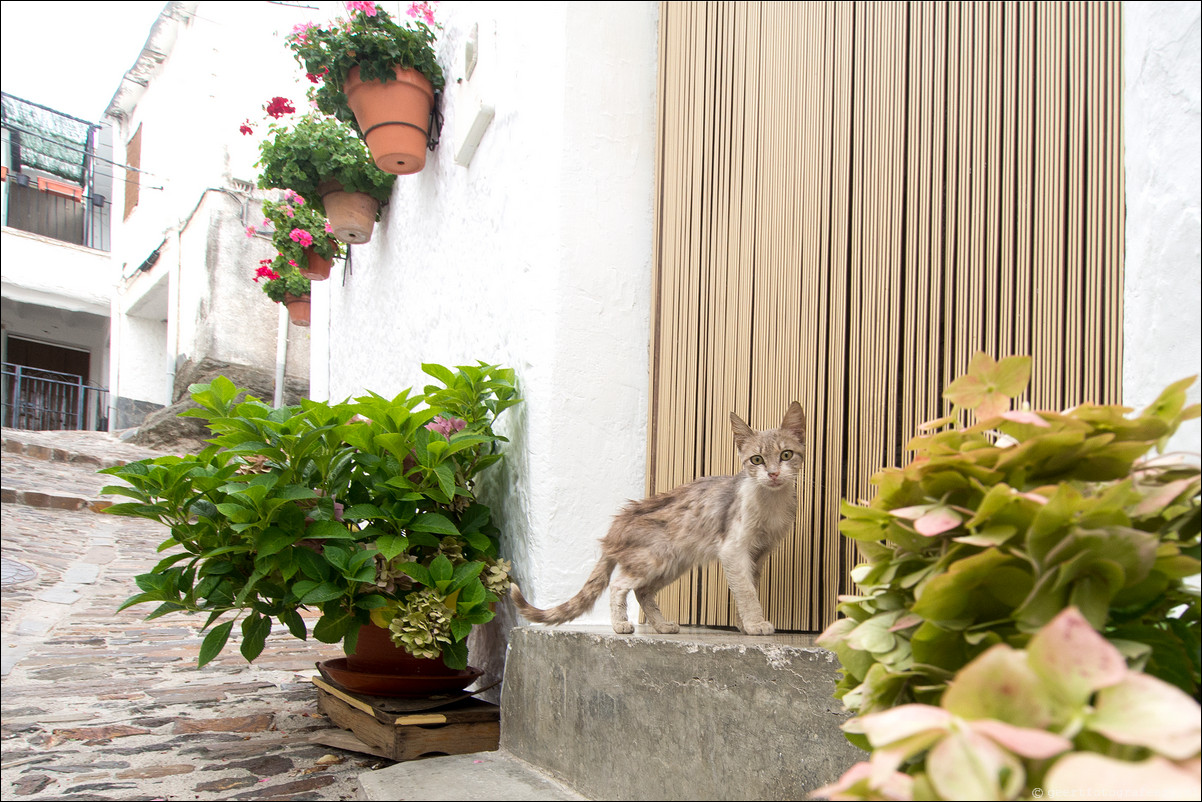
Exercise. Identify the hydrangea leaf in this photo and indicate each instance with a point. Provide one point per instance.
(967, 765)
(1085, 775)
(1142, 710)
(1000, 684)
(1074, 659)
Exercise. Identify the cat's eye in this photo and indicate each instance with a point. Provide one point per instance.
(757, 460)
(786, 456)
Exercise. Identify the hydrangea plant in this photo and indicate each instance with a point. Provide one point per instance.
(1005, 518)
(1063, 718)
(360, 510)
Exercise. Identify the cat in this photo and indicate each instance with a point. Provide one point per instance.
(734, 519)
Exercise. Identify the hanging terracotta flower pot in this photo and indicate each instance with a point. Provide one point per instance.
(316, 267)
(298, 308)
(352, 215)
(394, 117)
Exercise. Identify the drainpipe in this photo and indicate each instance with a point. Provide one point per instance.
(281, 356)
(175, 269)
(115, 321)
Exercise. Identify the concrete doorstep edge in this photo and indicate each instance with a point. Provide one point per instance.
(480, 775)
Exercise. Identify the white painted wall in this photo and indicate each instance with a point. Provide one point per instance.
(538, 257)
(1161, 335)
(37, 269)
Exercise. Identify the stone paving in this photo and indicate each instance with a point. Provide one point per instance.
(98, 704)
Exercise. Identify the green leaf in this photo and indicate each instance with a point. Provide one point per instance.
(295, 623)
(324, 592)
(332, 627)
(255, 629)
(455, 655)
(441, 572)
(328, 530)
(214, 642)
(392, 545)
(419, 573)
(433, 522)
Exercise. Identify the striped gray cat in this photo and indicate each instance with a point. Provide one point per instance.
(736, 520)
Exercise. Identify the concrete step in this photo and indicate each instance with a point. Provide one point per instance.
(482, 775)
(703, 714)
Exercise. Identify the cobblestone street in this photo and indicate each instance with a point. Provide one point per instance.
(104, 705)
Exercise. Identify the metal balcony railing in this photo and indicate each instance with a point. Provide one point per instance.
(56, 182)
(46, 400)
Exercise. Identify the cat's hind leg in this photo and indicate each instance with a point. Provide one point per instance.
(619, 588)
(646, 597)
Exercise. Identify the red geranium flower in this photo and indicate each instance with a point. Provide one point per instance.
(279, 106)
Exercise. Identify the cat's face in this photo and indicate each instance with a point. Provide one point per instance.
(772, 458)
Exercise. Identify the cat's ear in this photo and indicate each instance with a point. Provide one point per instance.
(795, 421)
(742, 431)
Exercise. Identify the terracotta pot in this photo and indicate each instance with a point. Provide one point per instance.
(394, 117)
(316, 267)
(375, 653)
(352, 215)
(298, 308)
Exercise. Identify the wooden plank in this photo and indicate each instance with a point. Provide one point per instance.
(471, 727)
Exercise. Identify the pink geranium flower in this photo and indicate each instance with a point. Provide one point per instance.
(423, 10)
(300, 32)
(329, 228)
(250, 231)
(301, 236)
(245, 128)
(365, 7)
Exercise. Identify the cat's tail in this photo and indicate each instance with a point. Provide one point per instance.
(574, 607)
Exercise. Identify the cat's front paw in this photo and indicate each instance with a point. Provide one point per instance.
(762, 628)
(623, 627)
(667, 628)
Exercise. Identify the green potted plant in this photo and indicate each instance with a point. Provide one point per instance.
(302, 236)
(379, 75)
(324, 161)
(1021, 596)
(284, 284)
(358, 510)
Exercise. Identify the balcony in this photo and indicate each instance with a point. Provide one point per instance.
(57, 174)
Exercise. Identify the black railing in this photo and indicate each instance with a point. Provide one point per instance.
(46, 400)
